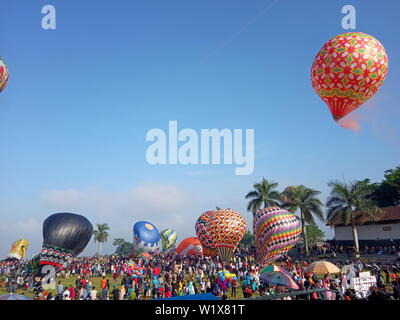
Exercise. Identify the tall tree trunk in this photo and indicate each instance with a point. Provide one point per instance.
(305, 238)
(99, 250)
(355, 238)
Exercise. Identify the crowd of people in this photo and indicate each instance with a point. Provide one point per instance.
(335, 248)
(171, 275)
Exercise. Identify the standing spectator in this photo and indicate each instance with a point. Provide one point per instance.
(71, 292)
(60, 288)
(396, 290)
(122, 292)
(234, 285)
(93, 294)
(103, 283)
(115, 293)
(66, 294)
(104, 294)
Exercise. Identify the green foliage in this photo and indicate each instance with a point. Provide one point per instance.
(350, 203)
(314, 234)
(124, 248)
(345, 198)
(101, 234)
(387, 193)
(248, 239)
(219, 208)
(118, 242)
(303, 199)
(264, 195)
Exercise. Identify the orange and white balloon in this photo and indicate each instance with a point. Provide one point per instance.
(190, 246)
(227, 228)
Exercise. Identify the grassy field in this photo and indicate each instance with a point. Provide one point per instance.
(95, 283)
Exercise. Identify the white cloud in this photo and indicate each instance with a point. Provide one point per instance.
(28, 226)
(30, 229)
(163, 205)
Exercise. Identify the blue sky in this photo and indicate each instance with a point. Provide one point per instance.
(81, 98)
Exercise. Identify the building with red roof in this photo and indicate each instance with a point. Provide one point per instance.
(384, 228)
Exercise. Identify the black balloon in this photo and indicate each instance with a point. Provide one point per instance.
(65, 235)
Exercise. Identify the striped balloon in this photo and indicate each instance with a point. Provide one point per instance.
(276, 232)
(3, 75)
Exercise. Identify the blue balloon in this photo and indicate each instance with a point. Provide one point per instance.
(146, 237)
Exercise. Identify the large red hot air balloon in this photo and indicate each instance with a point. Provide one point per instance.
(3, 75)
(227, 228)
(203, 233)
(348, 70)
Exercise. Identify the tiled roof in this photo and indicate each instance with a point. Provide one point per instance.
(387, 214)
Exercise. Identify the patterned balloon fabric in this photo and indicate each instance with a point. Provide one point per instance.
(18, 249)
(168, 239)
(348, 70)
(3, 75)
(190, 246)
(65, 236)
(134, 269)
(227, 228)
(146, 237)
(203, 233)
(276, 232)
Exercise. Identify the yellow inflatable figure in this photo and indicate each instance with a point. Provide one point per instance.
(18, 249)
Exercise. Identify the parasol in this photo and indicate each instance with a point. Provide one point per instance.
(275, 275)
(321, 267)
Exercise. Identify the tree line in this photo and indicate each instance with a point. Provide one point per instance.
(349, 202)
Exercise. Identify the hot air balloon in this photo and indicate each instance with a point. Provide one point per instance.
(348, 70)
(3, 75)
(227, 228)
(168, 239)
(203, 233)
(276, 231)
(190, 246)
(65, 235)
(18, 249)
(146, 237)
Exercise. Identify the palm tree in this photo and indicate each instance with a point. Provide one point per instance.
(350, 203)
(263, 195)
(101, 234)
(219, 208)
(305, 200)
